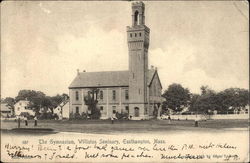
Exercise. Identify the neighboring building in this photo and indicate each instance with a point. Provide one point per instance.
(241, 110)
(6, 110)
(62, 110)
(136, 91)
(22, 106)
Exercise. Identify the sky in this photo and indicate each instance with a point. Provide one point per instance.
(192, 43)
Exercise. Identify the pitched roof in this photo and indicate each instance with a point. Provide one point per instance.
(151, 77)
(5, 107)
(63, 103)
(100, 79)
(105, 79)
(151, 73)
(25, 102)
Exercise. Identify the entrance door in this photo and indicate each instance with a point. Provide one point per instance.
(136, 112)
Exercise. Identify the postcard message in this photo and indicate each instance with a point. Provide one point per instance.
(137, 148)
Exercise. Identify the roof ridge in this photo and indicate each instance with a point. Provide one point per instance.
(103, 71)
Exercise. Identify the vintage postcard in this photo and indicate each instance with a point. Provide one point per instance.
(124, 81)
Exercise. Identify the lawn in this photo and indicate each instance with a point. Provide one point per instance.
(149, 126)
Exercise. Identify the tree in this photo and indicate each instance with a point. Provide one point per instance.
(10, 101)
(56, 100)
(37, 98)
(176, 97)
(193, 102)
(224, 102)
(232, 98)
(206, 90)
(91, 101)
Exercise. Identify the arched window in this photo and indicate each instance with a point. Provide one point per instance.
(136, 18)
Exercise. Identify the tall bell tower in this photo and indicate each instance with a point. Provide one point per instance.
(138, 43)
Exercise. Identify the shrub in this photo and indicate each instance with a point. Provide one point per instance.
(121, 115)
(84, 115)
(95, 113)
(26, 114)
(48, 116)
(78, 116)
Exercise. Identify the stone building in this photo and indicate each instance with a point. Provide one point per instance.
(136, 91)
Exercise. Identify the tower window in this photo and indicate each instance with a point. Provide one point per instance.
(135, 35)
(140, 34)
(136, 18)
(130, 34)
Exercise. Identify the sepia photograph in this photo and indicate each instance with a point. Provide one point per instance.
(125, 81)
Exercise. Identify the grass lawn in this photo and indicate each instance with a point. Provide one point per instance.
(105, 126)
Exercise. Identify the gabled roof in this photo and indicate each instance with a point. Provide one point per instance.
(106, 79)
(5, 107)
(100, 79)
(25, 102)
(153, 74)
(63, 103)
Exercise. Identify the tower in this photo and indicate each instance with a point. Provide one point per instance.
(138, 43)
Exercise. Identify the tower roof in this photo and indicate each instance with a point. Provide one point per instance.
(140, 3)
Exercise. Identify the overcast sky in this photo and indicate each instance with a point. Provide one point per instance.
(191, 43)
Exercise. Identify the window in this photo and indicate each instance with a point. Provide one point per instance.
(77, 96)
(113, 95)
(114, 109)
(146, 110)
(101, 108)
(130, 34)
(135, 35)
(140, 34)
(77, 110)
(126, 94)
(136, 18)
(127, 109)
(133, 75)
(101, 95)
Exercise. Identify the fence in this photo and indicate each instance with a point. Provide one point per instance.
(216, 116)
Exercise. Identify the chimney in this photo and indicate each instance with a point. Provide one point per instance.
(78, 72)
